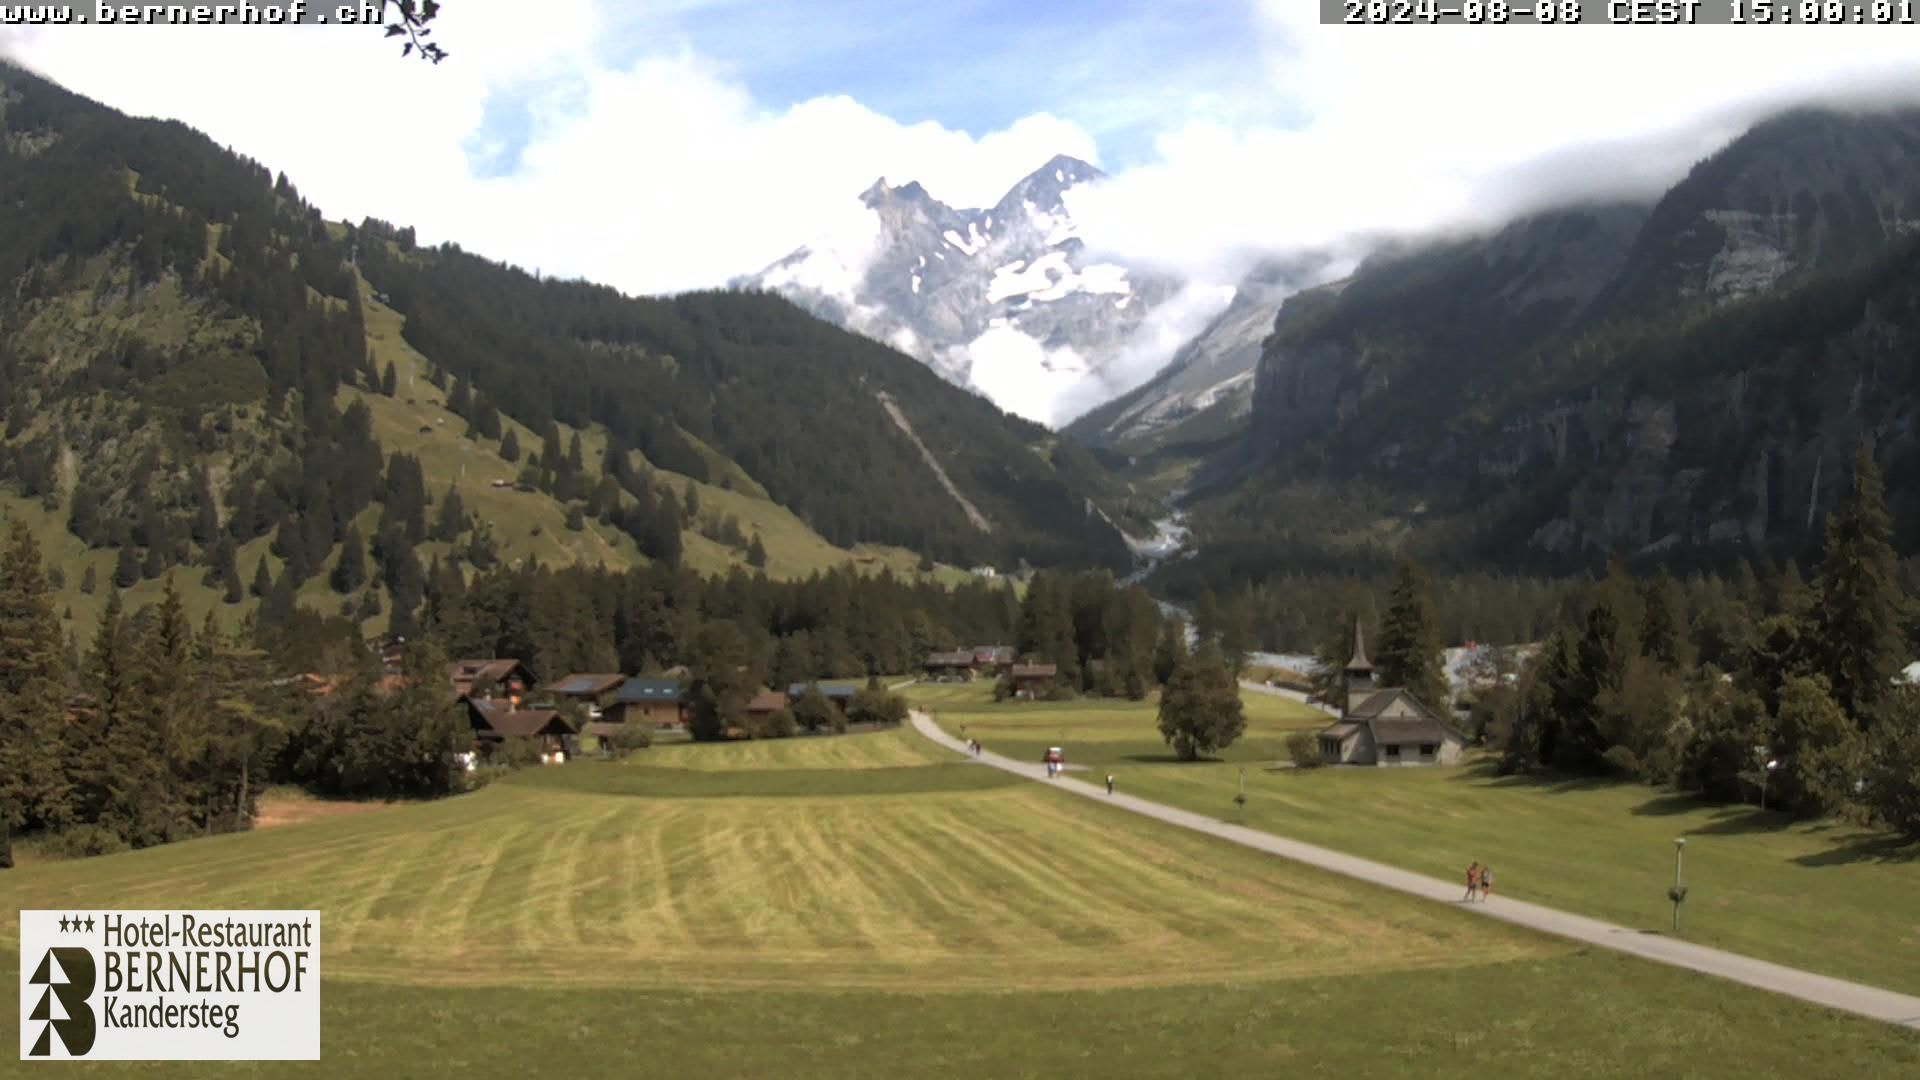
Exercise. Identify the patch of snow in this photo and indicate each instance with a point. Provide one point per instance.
(967, 246)
(923, 261)
(1105, 278)
(1059, 177)
(1121, 304)
(916, 284)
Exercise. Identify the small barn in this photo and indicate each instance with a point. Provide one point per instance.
(841, 696)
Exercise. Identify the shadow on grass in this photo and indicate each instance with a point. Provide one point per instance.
(1881, 849)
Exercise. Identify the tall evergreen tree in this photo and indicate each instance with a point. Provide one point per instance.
(1171, 650)
(1859, 608)
(262, 578)
(126, 569)
(33, 684)
(350, 569)
(1409, 653)
(510, 446)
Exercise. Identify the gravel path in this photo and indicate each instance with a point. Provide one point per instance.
(1824, 990)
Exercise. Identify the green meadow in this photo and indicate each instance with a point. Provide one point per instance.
(1824, 896)
(870, 905)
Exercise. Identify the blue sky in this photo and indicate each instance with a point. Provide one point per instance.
(1122, 70)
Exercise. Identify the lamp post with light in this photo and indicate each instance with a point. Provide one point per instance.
(1678, 893)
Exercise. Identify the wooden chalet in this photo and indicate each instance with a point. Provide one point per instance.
(594, 692)
(495, 720)
(1029, 679)
(504, 677)
(949, 666)
(660, 702)
(997, 659)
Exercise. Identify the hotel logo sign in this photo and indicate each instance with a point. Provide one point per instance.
(170, 985)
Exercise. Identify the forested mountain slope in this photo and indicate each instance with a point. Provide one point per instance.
(199, 373)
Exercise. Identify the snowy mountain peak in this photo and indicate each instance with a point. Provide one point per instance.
(1002, 300)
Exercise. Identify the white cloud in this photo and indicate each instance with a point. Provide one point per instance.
(1407, 129)
(656, 176)
(1021, 375)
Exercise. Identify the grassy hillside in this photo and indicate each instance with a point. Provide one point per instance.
(851, 926)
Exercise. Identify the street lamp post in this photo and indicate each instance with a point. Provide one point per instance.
(1678, 893)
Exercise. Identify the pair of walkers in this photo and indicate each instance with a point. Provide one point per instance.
(1479, 882)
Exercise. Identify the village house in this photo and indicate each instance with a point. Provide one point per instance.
(841, 696)
(993, 658)
(1385, 725)
(495, 720)
(1029, 679)
(660, 702)
(759, 707)
(506, 678)
(592, 692)
(949, 666)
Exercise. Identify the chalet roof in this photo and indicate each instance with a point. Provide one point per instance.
(950, 659)
(1364, 709)
(525, 722)
(501, 718)
(1035, 671)
(799, 690)
(586, 684)
(769, 702)
(1359, 661)
(634, 691)
(482, 671)
(603, 729)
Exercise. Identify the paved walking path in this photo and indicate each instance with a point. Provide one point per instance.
(1902, 1009)
(1290, 694)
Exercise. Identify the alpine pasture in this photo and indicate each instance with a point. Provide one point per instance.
(870, 905)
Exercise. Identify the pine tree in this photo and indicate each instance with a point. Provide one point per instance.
(1409, 653)
(510, 446)
(350, 570)
(89, 580)
(1663, 623)
(756, 553)
(389, 380)
(1859, 607)
(126, 569)
(576, 456)
(576, 518)
(262, 578)
(33, 788)
(1236, 633)
(229, 575)
(453, 517)
(1171, 650)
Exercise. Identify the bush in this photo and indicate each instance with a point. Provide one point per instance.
(515, 753)
(630, 737)
(877, 707)
(1304, 748)
(775, 725)
(83, 841)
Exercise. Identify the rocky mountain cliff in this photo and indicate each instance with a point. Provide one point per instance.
(1666, 381)
(1206, 390)
(1004, 300)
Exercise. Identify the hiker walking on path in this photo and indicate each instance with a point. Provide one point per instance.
(1473, 880)
(1109, 783)
(1486, 883)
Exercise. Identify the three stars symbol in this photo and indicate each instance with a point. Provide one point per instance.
(75, 923)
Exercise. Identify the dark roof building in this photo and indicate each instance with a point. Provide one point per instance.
(586, 687)
(798, 690)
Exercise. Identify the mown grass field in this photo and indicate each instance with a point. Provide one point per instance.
(1099, 732)
(1822, 895)
(593, 919)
